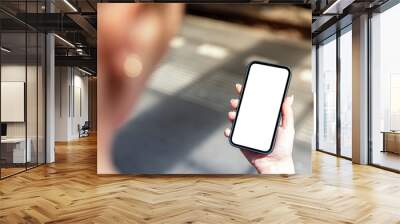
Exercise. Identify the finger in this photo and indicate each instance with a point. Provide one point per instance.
(238, 88)
(234, 103)
(227, 132)
(231, 115)
(287, 113)
(115, 36)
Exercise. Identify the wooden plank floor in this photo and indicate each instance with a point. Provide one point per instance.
(69, 191)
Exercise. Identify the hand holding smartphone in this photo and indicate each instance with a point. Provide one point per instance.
(255, 123)
(258, 113)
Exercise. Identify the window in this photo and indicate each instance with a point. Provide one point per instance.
(22, 88)
(327, 95)
(385, 89)
(345, 92)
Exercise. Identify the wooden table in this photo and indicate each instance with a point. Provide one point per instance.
(391, 141)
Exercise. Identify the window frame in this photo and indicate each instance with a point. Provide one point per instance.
(333, 37)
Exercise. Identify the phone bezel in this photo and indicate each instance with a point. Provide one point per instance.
(279, 114)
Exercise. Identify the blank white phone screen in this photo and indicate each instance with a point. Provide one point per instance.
(259, 107)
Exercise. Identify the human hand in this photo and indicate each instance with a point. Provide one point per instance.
(132, 38)
(280, 160)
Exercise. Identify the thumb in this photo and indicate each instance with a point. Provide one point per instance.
(287, 113)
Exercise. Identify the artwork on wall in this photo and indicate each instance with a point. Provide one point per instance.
(12, 101)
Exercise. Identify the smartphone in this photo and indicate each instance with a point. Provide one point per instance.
(259, 110)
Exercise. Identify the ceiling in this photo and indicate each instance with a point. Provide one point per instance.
(72, 20)
(332, 15)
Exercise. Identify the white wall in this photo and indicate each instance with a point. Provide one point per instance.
(12, 73)
(70, 83)
(80, 89)
(33, 126)
(61, 103)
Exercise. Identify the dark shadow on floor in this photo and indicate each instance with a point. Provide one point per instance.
(163, 136)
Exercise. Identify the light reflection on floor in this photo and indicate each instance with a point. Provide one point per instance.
(386, 159)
